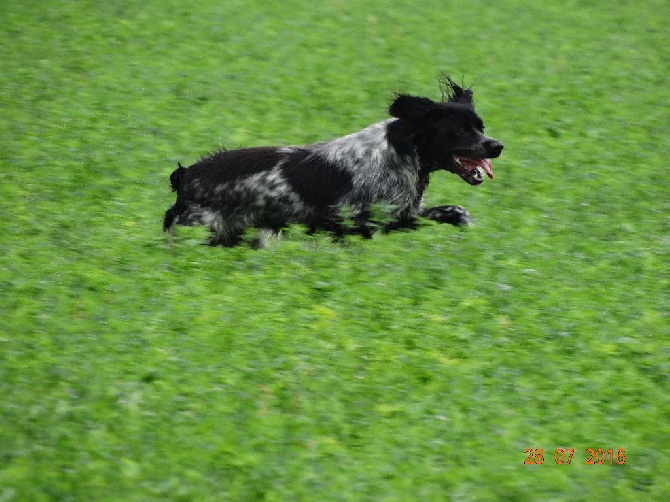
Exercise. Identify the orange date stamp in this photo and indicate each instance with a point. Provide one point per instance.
(564, 456)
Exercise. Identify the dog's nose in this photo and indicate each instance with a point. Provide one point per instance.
(493, 147)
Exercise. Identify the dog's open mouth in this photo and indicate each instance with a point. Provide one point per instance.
(473, 170)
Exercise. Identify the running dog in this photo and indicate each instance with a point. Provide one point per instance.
(386, 164)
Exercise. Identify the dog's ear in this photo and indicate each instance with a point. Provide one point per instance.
(454, 93)
(412, 107)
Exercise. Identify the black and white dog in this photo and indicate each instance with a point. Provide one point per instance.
(388, 164)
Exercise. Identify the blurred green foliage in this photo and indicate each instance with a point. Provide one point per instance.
(414, 366)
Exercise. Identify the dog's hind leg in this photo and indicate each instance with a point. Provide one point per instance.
(263, 237)
(454, 215)
(225, 233)
(170, 220)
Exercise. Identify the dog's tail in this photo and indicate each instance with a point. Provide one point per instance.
(176, 177)
(173, 213)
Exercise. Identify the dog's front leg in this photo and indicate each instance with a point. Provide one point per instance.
(452, 214)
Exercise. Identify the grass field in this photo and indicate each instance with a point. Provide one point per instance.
(413, 366)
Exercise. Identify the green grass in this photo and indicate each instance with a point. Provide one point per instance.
(414, 366)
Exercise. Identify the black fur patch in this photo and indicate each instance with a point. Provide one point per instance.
(229, 165)
(318, 182)
(401, 135)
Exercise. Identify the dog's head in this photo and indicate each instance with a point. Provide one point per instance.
(446, 135)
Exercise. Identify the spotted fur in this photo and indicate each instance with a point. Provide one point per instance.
(387, 163)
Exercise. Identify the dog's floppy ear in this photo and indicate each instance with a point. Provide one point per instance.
(411, 107)
(454, 93)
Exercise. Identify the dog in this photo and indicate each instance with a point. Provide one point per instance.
(388, 163)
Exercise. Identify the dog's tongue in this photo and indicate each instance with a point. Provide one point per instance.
(488, 168)
(485, 164)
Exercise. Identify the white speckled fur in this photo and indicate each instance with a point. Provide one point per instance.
(379, 173)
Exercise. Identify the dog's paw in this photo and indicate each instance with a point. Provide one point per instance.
(454, 215)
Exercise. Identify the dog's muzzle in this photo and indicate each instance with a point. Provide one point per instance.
(473, 170)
